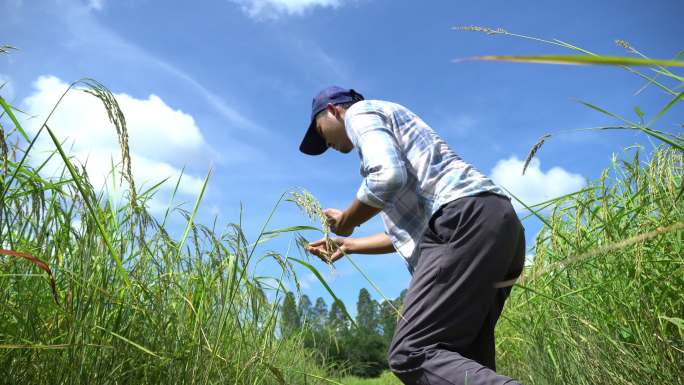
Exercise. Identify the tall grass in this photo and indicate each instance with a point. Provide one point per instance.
(601, 302)
(130, 303)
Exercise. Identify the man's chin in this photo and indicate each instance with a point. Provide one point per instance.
(346, 150)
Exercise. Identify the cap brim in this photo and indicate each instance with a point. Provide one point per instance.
(313, 143)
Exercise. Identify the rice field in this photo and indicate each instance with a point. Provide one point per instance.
(101, 293)
(601, 302)
(98, 291)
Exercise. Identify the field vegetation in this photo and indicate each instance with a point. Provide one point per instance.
(96, 290)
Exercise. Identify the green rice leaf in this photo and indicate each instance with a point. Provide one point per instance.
(581, 60)
(136, 345)
(90, 206)
(290, 230)
(325, 284)
(601, 110)
(9, 112)
(678, 322)
(666, 108)
(188, 226)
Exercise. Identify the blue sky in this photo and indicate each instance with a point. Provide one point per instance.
(227, 84)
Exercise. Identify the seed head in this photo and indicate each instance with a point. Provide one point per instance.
(488, 31)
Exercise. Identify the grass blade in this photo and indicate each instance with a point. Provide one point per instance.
(327, 287)
(581, 60)
(136, 345)
(194, 212)
(666, 108)
(38, 263)
(91, 208)
(8, 110)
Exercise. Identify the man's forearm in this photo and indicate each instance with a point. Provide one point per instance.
(375, 244)
(357, 213)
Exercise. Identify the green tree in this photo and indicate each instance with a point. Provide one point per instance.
(320, 314)
(367, 312)
(365, 352)
(388, 319)
(289, 319)
(305, 310)
(337, 321)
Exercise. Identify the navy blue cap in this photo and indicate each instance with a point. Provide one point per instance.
(313, 143)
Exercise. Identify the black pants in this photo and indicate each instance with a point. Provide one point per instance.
(446, 335)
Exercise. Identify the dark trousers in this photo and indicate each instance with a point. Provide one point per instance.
(446, 335)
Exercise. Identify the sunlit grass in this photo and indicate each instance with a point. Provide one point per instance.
(131, 303)
(601, 302)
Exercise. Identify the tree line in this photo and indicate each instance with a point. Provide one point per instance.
(359, 351)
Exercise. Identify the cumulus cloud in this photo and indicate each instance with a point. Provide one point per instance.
(270, 9)
(161, 139)
(536, 185)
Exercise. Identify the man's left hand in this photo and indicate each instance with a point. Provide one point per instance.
(336, 220)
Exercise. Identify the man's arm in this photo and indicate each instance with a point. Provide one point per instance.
(379, 243)
(375, 244)
(344, 222)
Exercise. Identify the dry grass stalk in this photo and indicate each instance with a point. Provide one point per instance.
(38, 263)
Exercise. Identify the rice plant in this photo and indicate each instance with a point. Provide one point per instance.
(601, 302)
(99, 293)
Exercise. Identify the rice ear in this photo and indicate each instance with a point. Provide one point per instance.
(534, 150)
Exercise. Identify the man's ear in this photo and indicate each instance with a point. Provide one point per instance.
(333, 110)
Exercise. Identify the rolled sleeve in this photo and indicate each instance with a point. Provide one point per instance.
(383, 167)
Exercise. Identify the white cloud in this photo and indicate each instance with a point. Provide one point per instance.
(7, 91)
(161, 139)
(271, 9)
(536, 185)
(96, 4)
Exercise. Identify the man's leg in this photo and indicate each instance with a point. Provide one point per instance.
(471, 244)
(482, 348)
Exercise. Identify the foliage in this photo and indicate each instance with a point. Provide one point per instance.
(386, 378)
(289, 317)
(97, 291)
(601, 301)
(359, 351)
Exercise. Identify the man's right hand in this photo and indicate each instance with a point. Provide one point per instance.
(330, 251)
(375, 244)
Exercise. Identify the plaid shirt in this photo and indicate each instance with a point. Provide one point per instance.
(409, 171)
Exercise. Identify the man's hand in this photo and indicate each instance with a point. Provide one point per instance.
(375, 244)
(340, 246)
(337, 222)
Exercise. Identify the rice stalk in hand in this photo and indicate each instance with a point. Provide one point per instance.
(313, 209)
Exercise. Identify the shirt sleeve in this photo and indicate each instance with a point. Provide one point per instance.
(382, 165)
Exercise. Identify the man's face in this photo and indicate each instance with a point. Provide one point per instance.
(330, 126)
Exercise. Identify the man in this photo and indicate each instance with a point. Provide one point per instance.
(461, 239)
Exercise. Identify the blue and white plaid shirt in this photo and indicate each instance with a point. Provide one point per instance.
(409, 171)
